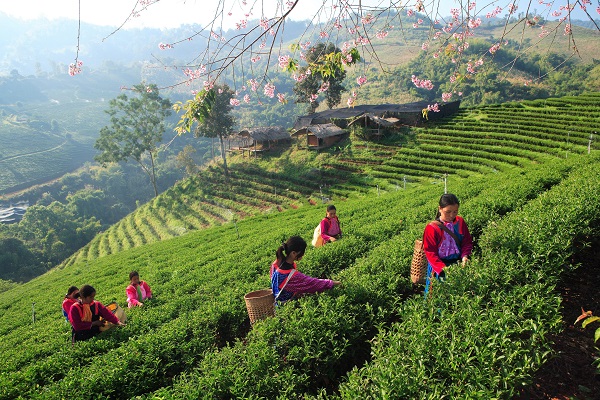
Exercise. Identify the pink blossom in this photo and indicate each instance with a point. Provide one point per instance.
(75, 68)
(512, 8)
(323, 34)
(284, 61)
(381, 34)
(446, 97)
(324, 87)
(264, 24)
(409, 13)
(568, 29)
(253, 84)
(234, 102)
(361, 80)
(269, 90)
(350, 102)
(425, 84)
(474, 23)
(247, 98)
(281, 98)
(434, 108)
(313, 97)
(164, 46)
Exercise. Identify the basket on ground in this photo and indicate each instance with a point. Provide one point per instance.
(260, 304)
(118, 312)
(418, 266)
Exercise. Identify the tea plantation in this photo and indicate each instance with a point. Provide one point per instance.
(529, 192)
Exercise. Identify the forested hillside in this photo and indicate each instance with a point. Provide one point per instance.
(525, 172)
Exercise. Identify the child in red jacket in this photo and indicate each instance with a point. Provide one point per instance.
(446, 240)
(137, 291)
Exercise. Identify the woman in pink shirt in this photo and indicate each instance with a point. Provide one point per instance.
(137, 291)
(289, 283)
(70, 298)
(85, 314)
(330, 226)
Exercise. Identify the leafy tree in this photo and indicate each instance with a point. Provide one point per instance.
(185, 160)
(321, 77)
(211, 112)
(137, 126)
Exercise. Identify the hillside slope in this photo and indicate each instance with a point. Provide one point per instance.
(483, 334)
(475, 142)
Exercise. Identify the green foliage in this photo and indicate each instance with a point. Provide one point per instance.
(326, 73)
(137, 126)
(482, 334)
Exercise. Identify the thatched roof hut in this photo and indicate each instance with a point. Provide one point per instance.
(321, 135)
(258, 139)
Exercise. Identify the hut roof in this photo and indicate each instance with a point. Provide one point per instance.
(265, 133)
(321, 130)
(376, 110)
(386, 122)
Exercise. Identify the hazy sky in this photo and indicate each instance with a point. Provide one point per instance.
(173, 13)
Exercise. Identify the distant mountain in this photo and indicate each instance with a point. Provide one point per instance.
(34, 47)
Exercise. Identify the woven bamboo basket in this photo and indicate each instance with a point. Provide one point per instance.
(116, 310)
(260, 304)
(418, 266)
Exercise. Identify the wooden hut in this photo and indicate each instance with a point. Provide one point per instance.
(255, 140)
(320, 136)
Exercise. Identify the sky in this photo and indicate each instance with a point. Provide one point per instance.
(173, 13)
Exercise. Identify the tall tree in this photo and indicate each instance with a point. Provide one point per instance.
(321, 77)
(211, 112)
(137, 126)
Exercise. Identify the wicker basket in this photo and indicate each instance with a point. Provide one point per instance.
(418, 267)
(118, 312)
(260, 304)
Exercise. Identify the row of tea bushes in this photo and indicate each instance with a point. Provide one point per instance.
(485, 331)
(309, 346)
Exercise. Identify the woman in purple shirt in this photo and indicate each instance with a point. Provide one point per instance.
(289, 283)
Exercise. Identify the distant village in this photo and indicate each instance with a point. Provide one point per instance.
(324, 129)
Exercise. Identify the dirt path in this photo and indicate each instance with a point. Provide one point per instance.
(571, 374)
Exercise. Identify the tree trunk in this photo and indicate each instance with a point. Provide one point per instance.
(224, 156)
(153, 175)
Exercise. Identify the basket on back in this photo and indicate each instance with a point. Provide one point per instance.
(260, 304)
(418, 266)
